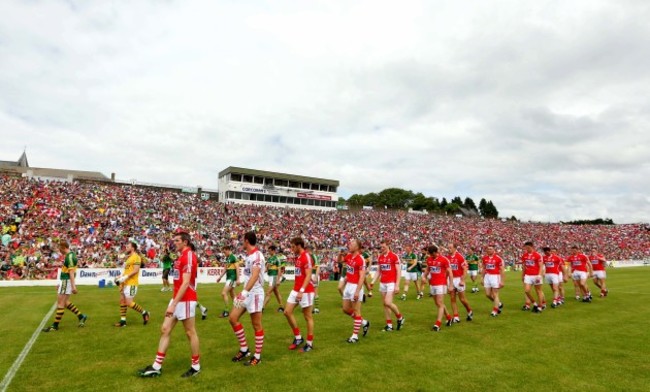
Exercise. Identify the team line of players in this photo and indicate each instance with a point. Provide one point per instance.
(444, 274)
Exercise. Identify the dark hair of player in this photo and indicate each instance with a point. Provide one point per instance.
(528, 243)
(298, 241)
(251, 238)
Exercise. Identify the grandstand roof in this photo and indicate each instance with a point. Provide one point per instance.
(21, 162)
(281, 176)
(54, 173)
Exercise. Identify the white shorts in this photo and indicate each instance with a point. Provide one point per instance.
(600, 274)
(492, 281)
(273, 281)
(438, 290)
(350, 289)
(64, 287)
(579, 275)
(552, 278)
(130, 291)
(306, 301)
(473, 272)
(315, 279)
(231, 283)
(533, 279)
(184, 310)
(386, 287)
(254, 302)
(411, 276)
(457, 285)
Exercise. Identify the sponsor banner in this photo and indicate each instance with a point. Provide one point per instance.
(92, 276)
(253, 190)
(314, 196)
(629, 263)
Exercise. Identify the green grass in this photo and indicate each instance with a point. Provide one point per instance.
(595, 347)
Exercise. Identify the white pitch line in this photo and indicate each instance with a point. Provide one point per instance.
(23, 354)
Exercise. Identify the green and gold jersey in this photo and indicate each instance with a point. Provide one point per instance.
(69, 266)
(274, 264)
(472, 262)
(231, 267)
(167, 261)
(367, 257)
(316, 260)
(283, 260)
(410, 259)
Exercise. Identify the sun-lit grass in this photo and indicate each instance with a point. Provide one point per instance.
(600, 346)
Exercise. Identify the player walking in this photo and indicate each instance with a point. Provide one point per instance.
(303, 294)
(581, 269)
(389, 277)
(554, 266)
(459, 271)
(598, 262)
(413, 272)
(353, 289)
(231, 269)
(128, 284)
(181, 308)
(274, 271)
(66, 287)
(493, 279)
(531, 275)
(166, 266)
(441, 282)
(473, 261)
(251, 300)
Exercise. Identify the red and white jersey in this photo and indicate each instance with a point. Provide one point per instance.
(437, 268)
(532, 262)
(597, 262)
(553, 264)
(186, 263)
(458, 264)
(354, 265)
(578, 262)
(303, 263)
(492, 264)
(254, 259)
(388, 267)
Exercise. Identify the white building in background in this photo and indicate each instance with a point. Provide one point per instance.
(250, 186)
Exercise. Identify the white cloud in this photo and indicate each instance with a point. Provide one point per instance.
(540, 106)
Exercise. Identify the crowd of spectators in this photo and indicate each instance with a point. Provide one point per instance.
(99, 219)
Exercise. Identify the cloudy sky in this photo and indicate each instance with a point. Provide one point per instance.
(541, 106)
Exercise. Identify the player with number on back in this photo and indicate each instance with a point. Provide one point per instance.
(251, 300)
(182, 307)
(303, 294)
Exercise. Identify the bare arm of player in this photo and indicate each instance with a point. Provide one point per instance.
(305, 283)
(73, 285)
(362, 278)
(590, 268)
(180, 294)
(450, 280)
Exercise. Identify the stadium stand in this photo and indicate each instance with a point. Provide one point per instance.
(100, 217)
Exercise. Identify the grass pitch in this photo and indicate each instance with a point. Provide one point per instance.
(602, 346)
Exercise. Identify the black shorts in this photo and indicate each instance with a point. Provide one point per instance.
(166, 273)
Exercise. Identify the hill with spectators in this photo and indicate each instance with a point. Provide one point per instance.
(99, 218)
